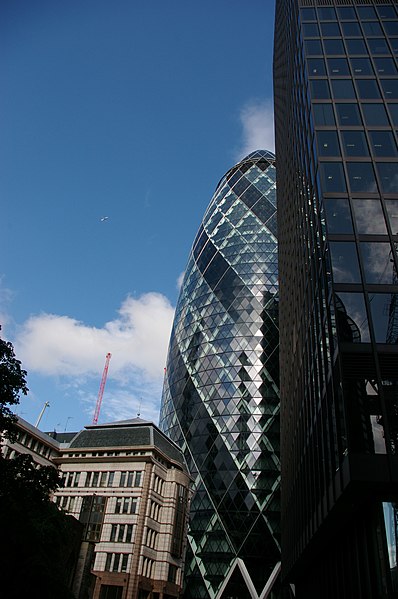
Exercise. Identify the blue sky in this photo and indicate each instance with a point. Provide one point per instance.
(134, 111)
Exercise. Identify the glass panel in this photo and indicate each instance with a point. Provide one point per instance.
(330, 30)
(356, 46)
(390, 512)
(354, 143)
(385, 66)
(308, 14)
(390, 390)
(313, 47)
(343, 89)
(383, 143)
(319, 89)
(374, 114)
(369, 217)
(368, 89)
(352, 318)
(384, 308)
(316, 67)
(323, 114)
(333, 47)
(310, 30)
(377, 263)
(338, 66)
(372, 28)
(390, 88)
(361, 177)
(344, 262)
(348, 114)
(391, 27)
(338, 216)
(328, 143)
(393, 108)
(332, 177)
(326, 14)
(378, 46)
(394, 44)
(366, 12)
(386, 12)
(388, 176)
(346, 13)
(351, 29)
(362, 66)
(392, 214)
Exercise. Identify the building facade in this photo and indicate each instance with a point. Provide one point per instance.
(126, 483)
(220, 399)
(336, 116)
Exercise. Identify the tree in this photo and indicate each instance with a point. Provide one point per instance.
(12, 383)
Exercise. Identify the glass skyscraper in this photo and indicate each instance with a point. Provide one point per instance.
(336, 115)
(221, 392)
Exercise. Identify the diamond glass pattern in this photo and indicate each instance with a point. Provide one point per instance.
(221, 392)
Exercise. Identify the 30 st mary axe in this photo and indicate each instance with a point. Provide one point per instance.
(336, 115)
(221, 393)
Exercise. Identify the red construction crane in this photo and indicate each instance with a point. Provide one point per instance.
(101, 389)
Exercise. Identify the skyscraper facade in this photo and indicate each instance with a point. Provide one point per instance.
(336, 115)
(221, 392)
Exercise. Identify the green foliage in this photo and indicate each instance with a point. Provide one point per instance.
(12, 383)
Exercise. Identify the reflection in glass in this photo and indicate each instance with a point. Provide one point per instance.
(354, 143)
(323, 114)
(356, 46)
(390, 390)
(390, 512)
(388, 176)
(374, 114)
(348, 114)
(310, 30)
(393, 108)
(383, 143)
(361, 177)
(368, 89)
(312, 47)
(344, 262)
(372, 28)
(346, 13)
(390, 88)
(384, 310)
(338, 216)
(316, 66)
(343, 89)
(392, 213)
(308, 14)
(351, 29)
(328, 143)
(319, 89)
(338, 66)
(361, 66)
(326, 14)
(369, 217)
(353, 324)
(366, 12)
(333, 47)
(385, 66)
(332, 177)
(377, 262)
(378, 46)
(330, 30)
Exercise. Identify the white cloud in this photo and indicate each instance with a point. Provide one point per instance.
(257, 118)
(180, 280)
(57, 345)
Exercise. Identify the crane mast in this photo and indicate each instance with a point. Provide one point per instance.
(101, 389)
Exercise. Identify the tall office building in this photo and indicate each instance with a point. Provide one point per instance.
(336, 112)
(221, 392)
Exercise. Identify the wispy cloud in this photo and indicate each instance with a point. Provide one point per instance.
(257, 119)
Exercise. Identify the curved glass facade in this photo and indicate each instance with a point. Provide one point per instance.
(221, 392)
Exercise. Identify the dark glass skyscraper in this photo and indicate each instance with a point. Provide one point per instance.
(336, 111)
(221, 393)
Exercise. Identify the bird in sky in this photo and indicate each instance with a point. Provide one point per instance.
(104, 218)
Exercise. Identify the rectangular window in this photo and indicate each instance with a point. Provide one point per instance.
(369, 217)
(328, 143)
(354, 143)
(343, 89)
(368, 89)
(361, 177)
(383, 143)
(332, 177)
(390, 88)
(323, 114)
(388, 176)
(374, 114)
(338, 66)
(334, 47)
(345, 262)
(348, 114)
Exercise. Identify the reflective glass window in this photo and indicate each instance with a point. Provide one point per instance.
(338, 66)
(338, 216)
(394, 44)
(343, 89)
(356, 46)
(372, 28)
(390, 88)
(330, 30)
(361, 66)
(323, 114)
(377, 263)
(351, 29)
(386, 12)
(345, 262)
(346, 13)
(393, 108)
(333, 46)
(308, 14)
(326, 14)
(366, 12)
(328, 143)
(361, 177)
(352, 317)
(368, 89)
(378, 46)
(319, 89)
(348, 114)
(388, 176)
(391, 27)
(316, 67)
(392, 213)
(382, 143)
(354, 143)
(374, 114)
(332, 177)
(310, 30)
(369, 217)
(385, 66)
(313, 47)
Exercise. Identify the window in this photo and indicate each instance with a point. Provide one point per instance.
(313, 47)
(343, 89)
(366, 12)
(323, 114)
(390, 88)
(383, 143)
(385, 66)
(372, 28)
(344, 262)
(126, 505)
(378, 46)
(384, 307)
(361, 66)
(367, 89)
(155, 510)
(172, 574)
(338, 216)
(130, 479)
(330, 30)
(158, 485)
(348, 114)
(116, 562)
(386, 12)
(327, 14)
(310, 30)
(392, 212)
(388, 176)
(393, 108)
(351, 29)
(369, 217)
(351, 317)
(319, 89)
(332, 177)
(151, 538)
(346, 13)
(111, 591)
(361, 177)
(316, 67)
(333, 46)
(391, 27)
(356, 46)
(377, 262)
(147, 567)
(338, 66)
(121, 533)
(374, 114)
(354, 143)
(328, 144)
(308, 14)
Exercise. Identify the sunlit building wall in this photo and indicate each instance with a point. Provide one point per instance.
(336, 113)
(221, 392)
